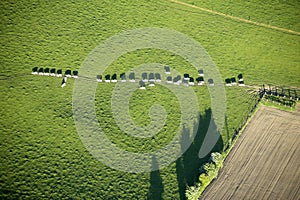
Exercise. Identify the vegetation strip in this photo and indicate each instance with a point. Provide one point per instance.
(237, 18)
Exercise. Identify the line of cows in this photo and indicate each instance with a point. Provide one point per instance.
(150, 78)
(53, 72)
(177, 80)
(153, 78)
(232, 81)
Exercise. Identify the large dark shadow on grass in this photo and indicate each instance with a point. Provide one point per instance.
(187, 166)
(156, 189)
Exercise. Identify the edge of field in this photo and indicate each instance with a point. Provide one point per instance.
(236, 140)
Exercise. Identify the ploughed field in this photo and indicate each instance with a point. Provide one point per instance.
(265, 163)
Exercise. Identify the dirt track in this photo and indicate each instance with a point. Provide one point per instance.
(236, 18)
(265, 162)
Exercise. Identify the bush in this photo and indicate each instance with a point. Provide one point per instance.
(217, 158)
(209, 171)
(193, 192)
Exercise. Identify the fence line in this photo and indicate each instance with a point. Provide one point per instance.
(288, 94)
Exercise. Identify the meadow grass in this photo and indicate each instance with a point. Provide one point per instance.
(41, 153)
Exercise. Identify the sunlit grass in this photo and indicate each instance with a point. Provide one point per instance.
(41, 153)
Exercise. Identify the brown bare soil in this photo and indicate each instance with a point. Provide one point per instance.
(265, 162)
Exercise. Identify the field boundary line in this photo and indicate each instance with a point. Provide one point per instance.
(236, 18)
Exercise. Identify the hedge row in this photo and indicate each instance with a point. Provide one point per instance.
(209, 172)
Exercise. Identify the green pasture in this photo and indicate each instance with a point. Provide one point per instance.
(41, 154)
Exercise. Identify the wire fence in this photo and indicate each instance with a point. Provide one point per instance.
(287, 96)
(281, 91)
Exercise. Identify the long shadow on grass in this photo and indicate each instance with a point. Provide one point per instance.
(187, 166)
(156, 186)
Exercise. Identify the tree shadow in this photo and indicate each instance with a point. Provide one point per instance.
(156, 189)
(188, 165)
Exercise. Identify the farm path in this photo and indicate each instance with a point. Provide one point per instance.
(236, 18)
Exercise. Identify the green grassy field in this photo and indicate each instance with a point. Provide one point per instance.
(41, 154)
